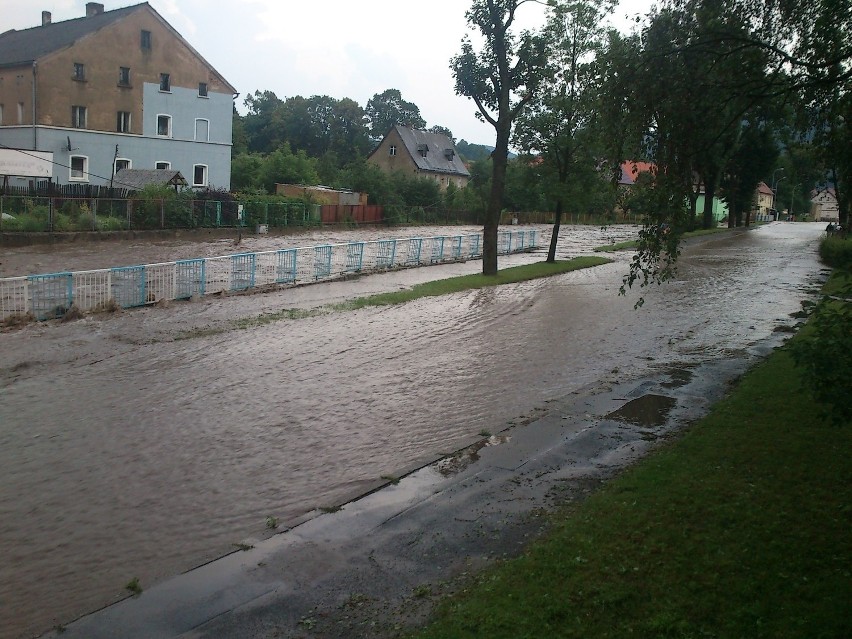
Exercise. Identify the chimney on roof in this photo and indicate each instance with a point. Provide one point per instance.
(45, 18)
(93, 9)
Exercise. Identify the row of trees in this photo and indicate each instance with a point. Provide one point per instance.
(718, 94)
(711, 91)
(335, 132)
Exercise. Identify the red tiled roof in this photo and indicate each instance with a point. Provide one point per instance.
(631, 170)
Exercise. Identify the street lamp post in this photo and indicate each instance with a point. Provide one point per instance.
(792, 199)
(774, 193)
(774, 186)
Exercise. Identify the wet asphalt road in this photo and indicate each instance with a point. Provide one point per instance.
(148, 456)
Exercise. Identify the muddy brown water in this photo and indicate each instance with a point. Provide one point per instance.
(124, 453)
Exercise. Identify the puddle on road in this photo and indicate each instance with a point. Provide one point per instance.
(647, 411)
(677, 377)
(462, 459)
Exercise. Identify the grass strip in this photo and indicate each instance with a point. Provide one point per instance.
(632, 244)
(468, 282)
(740, 527)
(440, 287)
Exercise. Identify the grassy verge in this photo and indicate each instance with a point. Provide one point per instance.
(632, 244)
(430, 289)
(738, 528)
(467, 282)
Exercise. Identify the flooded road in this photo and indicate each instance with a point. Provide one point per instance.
(125, 453)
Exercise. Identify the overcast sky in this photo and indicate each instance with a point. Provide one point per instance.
(340, 48)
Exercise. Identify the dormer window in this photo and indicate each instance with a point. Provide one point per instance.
(392, 150)
(449, 154)
(423, 150)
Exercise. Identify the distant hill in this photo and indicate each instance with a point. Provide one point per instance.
(474, 152)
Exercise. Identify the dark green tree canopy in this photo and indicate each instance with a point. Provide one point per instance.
(388, 108)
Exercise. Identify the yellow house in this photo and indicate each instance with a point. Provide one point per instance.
(422, 153)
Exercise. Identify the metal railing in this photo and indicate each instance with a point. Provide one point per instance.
(52, 295)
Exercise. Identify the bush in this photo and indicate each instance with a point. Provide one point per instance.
(824, 352)
(112, 224)
(824, 349)
(836, 251)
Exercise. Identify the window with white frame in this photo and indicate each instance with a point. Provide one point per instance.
(122, 124)
(165, 82)
(392, 150)
(79, 169)
(164, 125)
(202, 130)
(122, 163)
(164, 166)
(78, 117)
(199, 175)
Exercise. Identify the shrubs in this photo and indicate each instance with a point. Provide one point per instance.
(836, 251)
(824, 349)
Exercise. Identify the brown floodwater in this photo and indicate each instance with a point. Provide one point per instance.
(126, 453)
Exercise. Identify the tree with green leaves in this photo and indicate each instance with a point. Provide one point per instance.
(754, 158)
(388, 108)
(557, 127)
(806, 49)
(501, 78)
(442, 130)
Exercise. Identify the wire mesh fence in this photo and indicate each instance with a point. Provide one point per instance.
(67, 214)
(52, 295)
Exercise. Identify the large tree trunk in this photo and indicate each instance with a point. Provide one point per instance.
(499, 160)
(709, 195)
(841, 192)
(554, 239)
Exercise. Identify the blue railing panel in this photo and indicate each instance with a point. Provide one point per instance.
(285, 268)
(385, 253)
(437, 249)
(243, 269)
(457, 246)
(415, 246)
(190, 278)
(127, 284)
(51, 295)
(322, 261)
(475, 246)
(355, 257)
(505, 243)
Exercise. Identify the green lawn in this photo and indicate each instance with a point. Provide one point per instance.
(740, 528)
(439, 287)
(468, 282)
